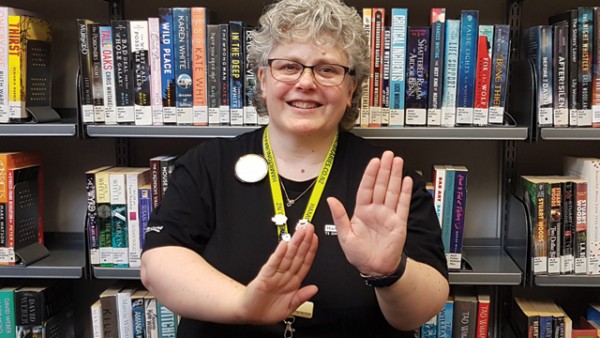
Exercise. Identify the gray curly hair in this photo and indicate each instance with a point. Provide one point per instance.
(324, 22)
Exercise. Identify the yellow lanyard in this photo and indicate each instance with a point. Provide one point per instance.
(315, 196)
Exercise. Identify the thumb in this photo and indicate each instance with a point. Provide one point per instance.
(340, 217)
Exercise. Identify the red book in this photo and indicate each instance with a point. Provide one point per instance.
(483, 315)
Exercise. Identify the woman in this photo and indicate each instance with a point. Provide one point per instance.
(300, 228)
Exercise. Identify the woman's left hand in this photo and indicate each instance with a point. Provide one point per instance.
(374, 238)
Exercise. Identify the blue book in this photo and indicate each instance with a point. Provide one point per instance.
(167, 321)
(444, 319)
(458, 216)
(182, 43)
(167, 66)
(436, 66)
(447, 208)
(450, 73)
(467, 64)
(138, 313)
(399, 30)
(145, 209)
(417, 76)
(537, 46)
(236, 74)
(499, 80)
(429, 328)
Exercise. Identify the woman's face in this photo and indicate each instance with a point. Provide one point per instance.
(305, 106)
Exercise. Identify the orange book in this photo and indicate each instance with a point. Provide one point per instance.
(200, 103)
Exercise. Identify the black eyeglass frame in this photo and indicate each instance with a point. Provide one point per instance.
(347, 70)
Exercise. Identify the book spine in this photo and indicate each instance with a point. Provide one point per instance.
(483, 318)
(375, 84)
(7, 315)
(145, 209)
(118, 220)
(465, 317)
(213, 78)
(586, 46)
(167, 321)
(104, 228)
(125, 314)
(458, 219)
(223, 58)
(568, 231)
(447, 210)
(29, 307)
(166, 168)
(97, 80)
(133, 181)
(155, 71)
(540, 231)
(155, 181)
(439, 180)
(554, 192)
(85, 69)
(124, 73)
(151, 315)
(467, 63)
(15, 77)
(417, 74)
(436, 64)
(107, 57)
(450, 73)
(236, 71)
(596, 69)
(92, 219)
(429, 328)
(399, 31)
(200, 103)
(561, 73)
(365, 90)
(444, 320)
(574, 103)
(110, 325)
(482, 75)
(385, 77)
(141, 70)
(250, 113)
(539, 49)
(4, 105)
(499, 76)
(182, 34)
(167, 62)
(138, 317)
(10, 222)
(96, 315)
(581, 225)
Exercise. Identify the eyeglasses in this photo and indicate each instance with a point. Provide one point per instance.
(289, 71)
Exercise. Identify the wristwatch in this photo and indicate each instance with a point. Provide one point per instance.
(387, 280)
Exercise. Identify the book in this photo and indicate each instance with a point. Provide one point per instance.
(429, 328)
(467, 65)
(91, 216)
(108, 301)
(167, 164)
(449, 90)
(34, 305)
(138, 313)
(7, 315)
(108, 74)
(200, 103)
(464, 323)
(86, 100)
(365, 99)
(375, 79)
(447, 212)
(561, 74)
(212, 73)
(534, 197)
(167, 321)
(580, 211)
(124, 71)
(483, 314)
(417, 76)
(182, 43)
(459, 196)
(385, 77)
(135, 178)
(585, 30)
(524, 318)
(119, 226)
(105, 249)
(499, 76)
(223, 75)
(482, 75)
(151, 316)
(537, 43)
(250, 113)
(445, 318)
(96, 315)
(97, 80)
(236, 71)
(125, 312)
(155, 177)
(140, 52)
(167, 76)
(589, 170)
(399, 31)
(29, 73)
(436, 65)
(154, 40)
(567, 258)
(596, 69)
(145, 209)
(439, 181)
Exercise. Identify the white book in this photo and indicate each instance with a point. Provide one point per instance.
(151, 313)
(140, 50)
(135, 178)
(124, 313)
(97, 327)
(439, 181)
(118, 209)
(450, 73)
(155, 71)
(589, 170)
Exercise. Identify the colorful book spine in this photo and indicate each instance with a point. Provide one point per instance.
(182, 43)
(138, 313)
(200, 104)
(134, 179)
(417, 76)
(554, 195)
(534, 196)
(483, 315)
(450, 73)
(499, 76)
(92, 216)
(108, 77)
(118, 219)
(155, 71)
(223, 58)
(596, 69)
(236, 73)
(399, 31)
(482, 75)
(167, 61)
(213, 79)
(586, 54)
(123, 71)
(97, 79)
(561, 74)
(538, 48)
(444, 319)
(567, 263)
(447, 211)
(385, 77)
(167, 321)
(145, 209)
(141, 70)
(250, 113)
(581, 225)
(364, 116)
(375, 80)
(436, 65)
(7, 315)
(151, 314)
(103, 208)
(439, 181)
(458, 217)
(85, 69)
(467, 64)
(429, 328)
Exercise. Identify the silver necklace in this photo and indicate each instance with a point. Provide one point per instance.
(290, 201)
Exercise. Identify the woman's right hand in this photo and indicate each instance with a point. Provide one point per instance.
(276, 291)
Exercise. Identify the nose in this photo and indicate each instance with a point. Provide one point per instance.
(307, 78)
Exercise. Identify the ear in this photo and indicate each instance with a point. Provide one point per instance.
(261, 79)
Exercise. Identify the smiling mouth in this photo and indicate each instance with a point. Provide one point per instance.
(304, 105)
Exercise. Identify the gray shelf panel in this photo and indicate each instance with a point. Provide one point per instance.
(116, 273)
(38, 129)
(491, 266)
(66, 260)
(571, 134)
(568, 281)
(388, 133)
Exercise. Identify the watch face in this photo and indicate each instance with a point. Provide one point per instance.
(104, 211)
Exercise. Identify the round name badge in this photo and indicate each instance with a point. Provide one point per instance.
(251, 168)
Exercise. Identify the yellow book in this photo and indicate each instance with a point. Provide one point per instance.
(22, 31)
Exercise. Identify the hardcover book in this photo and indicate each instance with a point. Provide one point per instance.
(561, 74)
(108, 75)
(458, 217)
(223, 59)
(534, 196)
(86, 103)
(182, 43)
(375, 80)
(167, 60)
(467, 64)
(141, 70)
(586, 53)
(436, 65)
(250, 113)
(200, 103)
(236, 73)
(91, 216)
(212, 75)
(537, 43)
(97, 80)
(155, 71)
(483, 74)
(499, 76)
(135, 178)
(124, 72)
(417, 76)
(399, 30)
(450, 73)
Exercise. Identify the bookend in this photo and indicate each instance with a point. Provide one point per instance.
(27, 244)
(43, 114)
(517, 237)
(31, 253)
(522, 101)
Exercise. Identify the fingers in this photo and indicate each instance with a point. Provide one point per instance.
(382, 181)
(294, 257)
(403, 206)
(340, 217)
